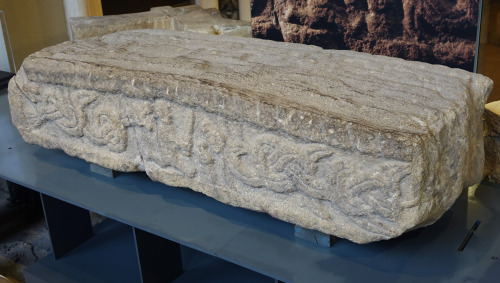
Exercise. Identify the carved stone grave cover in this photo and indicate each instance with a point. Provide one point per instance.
(359, 146)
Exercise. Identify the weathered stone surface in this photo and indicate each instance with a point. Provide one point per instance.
(492, 142)
(440, 32)
(359, 146)
(187, 18)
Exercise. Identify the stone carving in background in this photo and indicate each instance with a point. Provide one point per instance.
(433, 31)
(185, 18)
(359, 146)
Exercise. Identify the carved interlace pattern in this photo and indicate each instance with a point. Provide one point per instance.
(253, 159)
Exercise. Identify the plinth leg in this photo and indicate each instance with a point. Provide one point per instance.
(159, 258)
(317, 237)
(69, 225)
(106, 172)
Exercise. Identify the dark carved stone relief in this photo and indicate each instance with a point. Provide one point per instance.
(433, 31)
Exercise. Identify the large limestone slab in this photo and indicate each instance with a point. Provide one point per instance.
(359, 146)
(186, 18)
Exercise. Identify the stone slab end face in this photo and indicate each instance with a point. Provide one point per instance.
(186, 18)
(492, 142)
(354, 145)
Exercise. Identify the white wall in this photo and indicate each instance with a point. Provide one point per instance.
(4, 57)
(206, 4)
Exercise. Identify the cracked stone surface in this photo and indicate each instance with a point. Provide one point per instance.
(20, 248)
(15, 256)
(25, 242)
(438, 32)
(187, 18)
(359, 146)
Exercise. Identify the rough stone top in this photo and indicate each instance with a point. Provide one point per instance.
(378, 92)
(104, 21)
(186, 18)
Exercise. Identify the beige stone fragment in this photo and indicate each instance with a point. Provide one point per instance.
(186, 18)
(359, 146)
